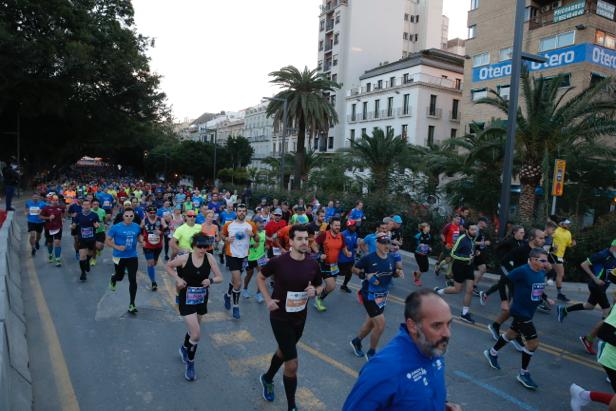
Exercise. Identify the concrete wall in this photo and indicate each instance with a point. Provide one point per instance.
(15, 379)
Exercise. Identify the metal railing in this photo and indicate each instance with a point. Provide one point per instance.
(404, 112)
(433, 112)
(454, 116)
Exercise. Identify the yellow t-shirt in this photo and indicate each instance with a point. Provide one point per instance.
(562, 239)
(184, 234)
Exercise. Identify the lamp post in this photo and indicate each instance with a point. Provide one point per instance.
(215, 143)
(285, 116)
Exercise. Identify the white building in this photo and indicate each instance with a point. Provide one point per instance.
(259, 130)
(220, 128)
(418, 97)
(356, 35)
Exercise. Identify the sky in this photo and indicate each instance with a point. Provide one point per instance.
(216, 55)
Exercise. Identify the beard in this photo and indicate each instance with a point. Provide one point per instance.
(428, 348)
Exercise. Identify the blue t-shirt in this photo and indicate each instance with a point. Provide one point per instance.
(329, 213)
(603, 265)
(74, 208)
(370, 241)
(85, 225)
(357, 215)
(528, 287)
(106, 200)
(350, 240)
(126, 235)
(180, 198)
(226, 216)
(162, 210)
(34, 210)
(399, 378)
(384, 268)
(140, 212)
(215, 205)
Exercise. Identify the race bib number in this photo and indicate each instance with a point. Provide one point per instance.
(380, 299)
(275, 250)
(296, 301)
(423, 249)
(537, 291)
(153, 239)
(54, 232)
(195, 295)
(106, 203)
(262, 261)
(87, 232)
(333, 269)
(35, 210)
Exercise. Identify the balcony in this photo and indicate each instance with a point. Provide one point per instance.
(352, 118)
(329, 26)
(455, 116)
(327, 67)
(331, 5)
(404, 112)
(386, 114)
(553, 12)
(433, 112)
(329, 46)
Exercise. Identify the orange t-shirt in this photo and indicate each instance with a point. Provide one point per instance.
(210, 231)
(331, 246)
(283, 236)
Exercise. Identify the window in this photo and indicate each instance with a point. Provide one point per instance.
(455, 106)
(417, 18)
(388, 129)
(405, 103)
(392, 82)
(379, 85)
(405, 78)
(458, 84)
(505, 54)
(557, 41)
(453, 133)
(368, 87)
(413, 19)
(430, 136)
(504, 91)
(334, 77)
(595, 78)
(364, 114)
(330, 143)
(406, 17)
(605, 39)
(322, 25)
(390, 106)
(474, 4)
(478, 94)
(336, 38)
(432, 105)
(404, 132)
(352, 137)
(321, 45)
(353, 111)
(316, 143)
(476, 126)
(482, 59)
(416, 36)
(335, 61)
(565, 79)
(405, 36)
(363, 131)
(472, 31)
(530, 12)
(337, 18)
(377, 107)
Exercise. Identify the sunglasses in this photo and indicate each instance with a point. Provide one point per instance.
(129, 216)
(202, 246)
(384, 241)
(190, 216)
(541, 260)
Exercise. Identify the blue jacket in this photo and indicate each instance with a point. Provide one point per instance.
(399, 378)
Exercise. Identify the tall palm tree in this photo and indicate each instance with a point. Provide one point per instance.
(307, 106)
(432, 161)
(549, 117)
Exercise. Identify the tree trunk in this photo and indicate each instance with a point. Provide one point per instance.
(527, 204)
(300, 154)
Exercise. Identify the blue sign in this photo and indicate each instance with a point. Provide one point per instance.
(579, 53)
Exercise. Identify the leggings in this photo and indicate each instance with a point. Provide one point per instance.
(422, 262)
(166, 240)
(346, 269)
(502, 285)
(130, 264)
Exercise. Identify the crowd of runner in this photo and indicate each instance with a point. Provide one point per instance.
(296, 252)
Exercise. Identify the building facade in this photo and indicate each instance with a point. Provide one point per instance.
(357, 35)
(259, 130)
(578, 38)
(417, 97)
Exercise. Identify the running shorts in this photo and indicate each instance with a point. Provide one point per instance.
(235, 263)
(462, 271)
(371, 307)
(598, 296)
(186, 309)
(152, 253)
(87, 244)
(287, 335)
(100, 237)
(524, 327)
(49, 238)
(38, 227)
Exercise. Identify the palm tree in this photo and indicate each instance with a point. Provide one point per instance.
(432, 161)
(380, 152)
(549, 117)
(307, 106)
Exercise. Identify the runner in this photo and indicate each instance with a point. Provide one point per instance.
(581, 397)
(449, 235)
(236, 235)
(191, 273)
(528, 291)
(300, 216)
(423, 242)
(601, 270)
(462, 254)
(100, 230)
(209, 229)
(73, 211)
(345, 263)
(295, 278)
(331, 244)
(181, 241)
(35, 223)
(368, 243)
(106, 201)
(357, 214)
(152, 229)
(256, 259)
(562, 240)
(271, 228)
(123, 238)
(482, 243)
(85, 224)
(52, 215)
(550, 227)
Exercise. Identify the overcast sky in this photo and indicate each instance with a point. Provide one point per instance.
(216, 55)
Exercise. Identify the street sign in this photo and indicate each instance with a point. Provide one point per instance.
(558, 181)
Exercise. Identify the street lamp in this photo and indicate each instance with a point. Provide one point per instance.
(215, 142)
(285, 116)
(516, 69)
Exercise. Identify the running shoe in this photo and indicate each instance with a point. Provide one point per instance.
(369, 354)
(551, 282)
(544, 307)
(483, 298)
(37, 245)
(345, 289)
(50, 258)
(494, 332)
(518, 343)
(561, 312)
(58, 262)
(236, 313)
(468, 318)
(154, 286)
(259, 298)
(577, 401)
(268, 389)
(190, 374)
(183, 354)
(112, 284)
(356, 346)
(227, 299)
(318, 304)
(132, 309)
(83, 277)
(587, 345)
(93, 261)
(418, 282)
(245, 294)
(437, 289)
(562, 297)
(526, 381)
(476, 291)
(492, 359)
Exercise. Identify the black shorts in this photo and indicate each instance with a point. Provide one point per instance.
(38, 227)
(346, 269)
(326, 271)
(49, 238)
(287, 334)
(371, 306)
(152, 253)
(235, 263)
(481, 259)
(186, 309)
(253, 264)
(524, 327)
(552, 258)
(422, 262)
(598, 296)
(462, 271)
(74, 232)
(100, 237)
(89, 244)
(558, 260)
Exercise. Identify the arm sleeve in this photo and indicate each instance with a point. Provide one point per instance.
(607, 333)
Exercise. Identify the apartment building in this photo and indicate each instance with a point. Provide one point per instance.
(417, 97)
(577, 37)
(358, 35)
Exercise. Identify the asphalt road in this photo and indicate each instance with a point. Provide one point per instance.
(87, 353)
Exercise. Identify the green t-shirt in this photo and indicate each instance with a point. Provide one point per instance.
(102, 215)
(184, 233)
(254, 253)
(188, 205)
(608, 355)
(299, 219)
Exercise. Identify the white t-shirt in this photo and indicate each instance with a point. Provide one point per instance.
(241, 234)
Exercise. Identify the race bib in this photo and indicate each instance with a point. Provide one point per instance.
(262, 261)
(153, 239)
(106, 203)
(116, 260)
(333, 269)
(276, 250)
(195, 295)
(35, 210)
(296, 301)
(54, 232)
(423, 249)
(537, 291)
(380, 299)
(87, 232)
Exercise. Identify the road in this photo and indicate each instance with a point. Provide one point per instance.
(87, 353)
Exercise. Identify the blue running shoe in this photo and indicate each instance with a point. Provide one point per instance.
(356, 345)
(227, 299)
(561, 312)
(492, 359)
(526, 381)
(183, 354)
(268, 389)
(369, 354)
(190, 371)
(236, 313)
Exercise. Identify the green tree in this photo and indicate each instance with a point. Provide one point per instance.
(307, 106)
(550, 116)
(240, 151)
(432, 161)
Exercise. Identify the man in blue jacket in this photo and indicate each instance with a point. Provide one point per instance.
(409, 373)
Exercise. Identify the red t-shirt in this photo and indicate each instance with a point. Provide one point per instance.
(451, 232)
(331, 245)
(272, 228)
(57, 211)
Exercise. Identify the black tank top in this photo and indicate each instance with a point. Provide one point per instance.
(194, 275)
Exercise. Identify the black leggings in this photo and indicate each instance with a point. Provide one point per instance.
(611, 375)
(166, 240)
(422, 262)
(346, 269)
(130, 264)
(502, 285)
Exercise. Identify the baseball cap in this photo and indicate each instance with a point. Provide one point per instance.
(350, 223)
(566, 221)
(387, 220)
(201, 239)
(152, 209)
(258, 219)
(191, 212)
(277, 212)
(397, 219)
(383, 238)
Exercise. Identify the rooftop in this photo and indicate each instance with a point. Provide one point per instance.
(430, 57)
